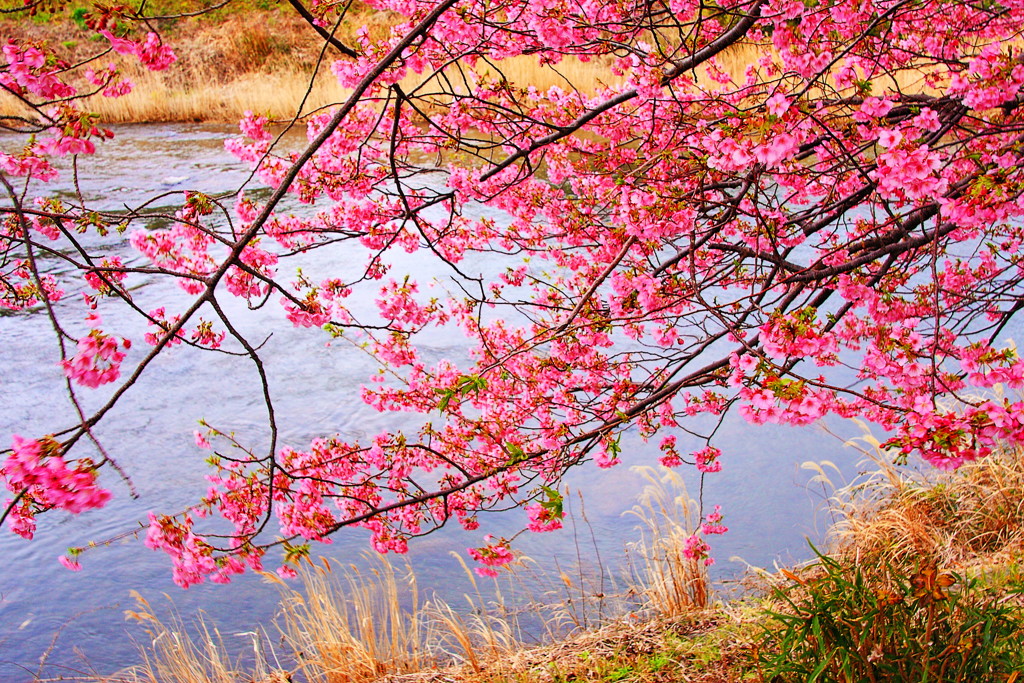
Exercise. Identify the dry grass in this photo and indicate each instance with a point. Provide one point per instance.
(265, 61)
(256, 61)
(356, 628)
(967, 520)
(278, 95)
(364, 626)
(478, 634)
(672, 584)
(271, 63)
(175, 656)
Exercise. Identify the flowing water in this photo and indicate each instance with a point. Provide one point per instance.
(73, 622)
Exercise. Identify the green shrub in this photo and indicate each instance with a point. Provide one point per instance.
(78, 15)
(841, 623)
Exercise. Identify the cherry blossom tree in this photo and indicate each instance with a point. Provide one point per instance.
(833, 229)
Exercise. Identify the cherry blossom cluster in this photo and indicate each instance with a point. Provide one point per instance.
(495, 554)
(41, 479)
(98, 360)
(151, 52)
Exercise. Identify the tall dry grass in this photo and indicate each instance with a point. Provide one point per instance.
(970, 519)
(279, 95)
(285, 91)
(262, 61)
(270, 62)
(672, 583)
(358, 626)
(174, 655)
(479, 634)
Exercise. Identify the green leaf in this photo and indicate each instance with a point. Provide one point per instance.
(446, 397)
(516, 453)
(294, 553)
(468, 383)
(554, 502)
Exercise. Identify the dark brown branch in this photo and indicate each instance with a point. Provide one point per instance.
(324, 33)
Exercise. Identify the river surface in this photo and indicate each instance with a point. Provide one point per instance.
(60, 623)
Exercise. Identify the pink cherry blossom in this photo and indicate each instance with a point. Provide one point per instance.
(98, 360)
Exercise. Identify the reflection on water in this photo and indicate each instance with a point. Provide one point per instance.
(761, 489)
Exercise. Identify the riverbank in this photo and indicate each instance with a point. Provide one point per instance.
(247, 59)
(252, 56)
(924, 581)
(258, 60)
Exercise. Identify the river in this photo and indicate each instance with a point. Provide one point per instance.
(74, 621)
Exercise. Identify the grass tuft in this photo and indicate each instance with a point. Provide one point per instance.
(673, 585)
(175, 656)
(356, 628)
(970, 520)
